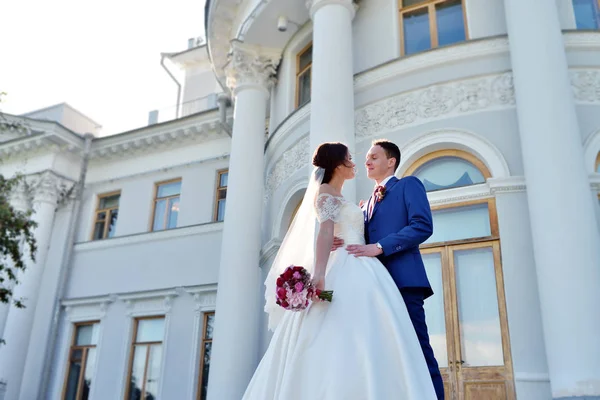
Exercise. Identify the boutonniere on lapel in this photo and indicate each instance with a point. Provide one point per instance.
(379, 193)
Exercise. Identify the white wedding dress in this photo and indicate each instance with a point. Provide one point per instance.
(361, 346)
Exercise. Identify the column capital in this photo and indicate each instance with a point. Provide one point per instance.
(314, 5)
(251, 66)
(19, 197)
(47, 188)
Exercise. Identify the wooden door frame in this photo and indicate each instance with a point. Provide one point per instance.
(453, 336)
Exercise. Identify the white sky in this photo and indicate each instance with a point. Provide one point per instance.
(101, 57)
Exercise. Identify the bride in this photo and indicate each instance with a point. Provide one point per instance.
(360, 346)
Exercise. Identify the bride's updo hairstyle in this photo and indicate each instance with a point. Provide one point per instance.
(329, 156)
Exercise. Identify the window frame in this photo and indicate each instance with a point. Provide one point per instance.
(218, 189)
(168, 198)
(85, 350)
(132, 345)
(491, 201)
(492, 215)
(97, 211)
(300, 73)
(477, 163)
(203, 342)
(433, 30)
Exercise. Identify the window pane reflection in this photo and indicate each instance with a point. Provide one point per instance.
(448, 172)
(587, 14)
(450, 22)
(417, 36)
(434, 308)
(479, 319)
(460, 223)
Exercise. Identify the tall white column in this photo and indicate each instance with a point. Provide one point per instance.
(332, 74)
(20, 202)
(20, 321)
(238, 309)
(565, 234)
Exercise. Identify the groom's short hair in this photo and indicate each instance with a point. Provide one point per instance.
(391, 150)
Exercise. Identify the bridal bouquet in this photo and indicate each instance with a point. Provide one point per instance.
(295, 289)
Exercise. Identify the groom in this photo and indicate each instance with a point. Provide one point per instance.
(397, 221)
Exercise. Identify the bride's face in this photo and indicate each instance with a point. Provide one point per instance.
(347, 169)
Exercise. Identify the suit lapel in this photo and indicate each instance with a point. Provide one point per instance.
(389, 184)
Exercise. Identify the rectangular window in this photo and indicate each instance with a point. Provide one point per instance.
(207, 336)
(82, 358)
(587, 14)
(145, 358)
(106, 216)
(303, 75)
(427, 24)
(221, 195)
(166, 205)
(470, 221)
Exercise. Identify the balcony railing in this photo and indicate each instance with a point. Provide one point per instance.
(195, 106)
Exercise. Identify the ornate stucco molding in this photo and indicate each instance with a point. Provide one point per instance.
(19, 197)
(586, 85)
(149, 303)
(293, 159)
(49, 187)
(251, 66)
(457, 98)
(434, 102)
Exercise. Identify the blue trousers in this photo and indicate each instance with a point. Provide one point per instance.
(414, 299)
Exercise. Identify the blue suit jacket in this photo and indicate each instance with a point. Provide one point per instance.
(401, 221)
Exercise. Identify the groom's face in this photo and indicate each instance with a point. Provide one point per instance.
(378, 165)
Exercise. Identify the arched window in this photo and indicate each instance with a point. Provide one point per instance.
(467, 315)
(449, 169)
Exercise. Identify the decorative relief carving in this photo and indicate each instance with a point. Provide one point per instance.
(49, 188)
(290, 161)
(140, 304)
(204, 301)
(19, 197)
(433, 102)
(250, 65)
(87, 309)
(586, 85)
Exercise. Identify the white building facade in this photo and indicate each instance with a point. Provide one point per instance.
(146, 286)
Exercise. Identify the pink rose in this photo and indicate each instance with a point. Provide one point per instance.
(299, 286)
(297, 275)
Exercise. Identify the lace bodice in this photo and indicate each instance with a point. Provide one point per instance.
(346, 216)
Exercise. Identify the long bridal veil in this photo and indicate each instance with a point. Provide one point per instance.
(297, 248)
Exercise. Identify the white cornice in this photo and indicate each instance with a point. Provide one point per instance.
(50, 136)
(430, 59)
(205, 297)
(197, 128)
(222, 15)
(87, 308)
(464, 51)
(146, 237)
(289, 124)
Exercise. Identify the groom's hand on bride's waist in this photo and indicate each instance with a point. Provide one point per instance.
(337, 243)
(364, 250)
